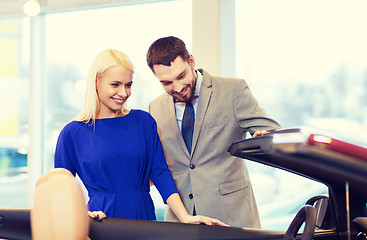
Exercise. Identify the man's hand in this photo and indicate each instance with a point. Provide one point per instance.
(199, 219)
(259, 133)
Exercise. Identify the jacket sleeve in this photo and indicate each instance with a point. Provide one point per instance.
(249, 115)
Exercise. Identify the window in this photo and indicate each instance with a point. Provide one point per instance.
(308, 60)
(306, 63)
(13, 112)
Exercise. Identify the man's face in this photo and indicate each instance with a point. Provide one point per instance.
(179, 79)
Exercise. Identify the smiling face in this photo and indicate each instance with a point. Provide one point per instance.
(113, 89)
(178, 79)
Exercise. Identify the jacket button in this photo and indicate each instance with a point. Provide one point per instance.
(191, 196)
(192, 166)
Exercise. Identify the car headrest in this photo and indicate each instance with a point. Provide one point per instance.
(59, 210)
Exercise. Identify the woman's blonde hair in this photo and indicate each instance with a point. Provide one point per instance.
(104, 60)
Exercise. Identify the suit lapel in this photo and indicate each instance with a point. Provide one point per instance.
(204, 99)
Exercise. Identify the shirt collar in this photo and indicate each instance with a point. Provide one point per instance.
(199, 80)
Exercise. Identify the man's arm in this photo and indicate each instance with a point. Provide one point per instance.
(249, 114)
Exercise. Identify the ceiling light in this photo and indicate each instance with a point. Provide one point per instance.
(32, 8)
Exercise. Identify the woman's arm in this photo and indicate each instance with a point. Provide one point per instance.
(176, 205)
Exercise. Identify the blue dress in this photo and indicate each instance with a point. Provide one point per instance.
(115, 158)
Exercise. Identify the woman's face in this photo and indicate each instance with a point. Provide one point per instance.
(113, 89)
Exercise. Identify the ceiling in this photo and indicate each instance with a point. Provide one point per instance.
(14, 7)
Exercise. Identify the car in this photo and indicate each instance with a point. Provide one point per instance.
(340, 165)
(340, 213)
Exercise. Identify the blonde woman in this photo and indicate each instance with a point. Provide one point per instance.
(116, 151)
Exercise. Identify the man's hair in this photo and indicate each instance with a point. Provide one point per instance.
(165, 50)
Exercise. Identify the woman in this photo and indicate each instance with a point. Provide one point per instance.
(116, 151)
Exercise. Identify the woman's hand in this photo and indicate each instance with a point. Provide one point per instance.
(98, 215)
(199, 219)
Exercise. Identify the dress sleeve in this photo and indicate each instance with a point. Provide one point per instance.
(161, 176)
(249, 115)
(64, 153)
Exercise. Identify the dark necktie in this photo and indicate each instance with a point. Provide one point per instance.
(187, 127)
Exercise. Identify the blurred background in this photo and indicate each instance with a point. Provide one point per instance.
(305, 62)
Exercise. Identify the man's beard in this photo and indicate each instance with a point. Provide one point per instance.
(192, 86)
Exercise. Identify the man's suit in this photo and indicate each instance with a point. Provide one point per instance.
(211, 179)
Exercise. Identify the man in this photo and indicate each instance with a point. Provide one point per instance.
(210, 181)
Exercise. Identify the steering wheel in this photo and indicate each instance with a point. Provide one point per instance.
(307, 214)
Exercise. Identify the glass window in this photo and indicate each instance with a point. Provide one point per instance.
(306, 63)
(308, 60)
(14, 112)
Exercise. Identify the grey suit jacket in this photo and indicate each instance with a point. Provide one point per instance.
(209, 178)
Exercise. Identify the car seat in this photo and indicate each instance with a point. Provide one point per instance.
(59, 211)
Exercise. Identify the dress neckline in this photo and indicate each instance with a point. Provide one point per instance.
(122, 116)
